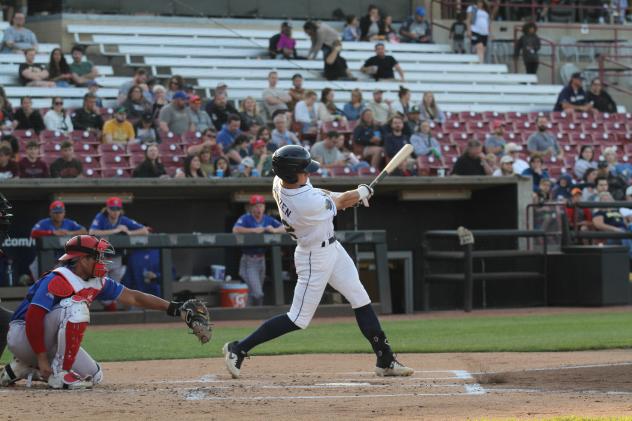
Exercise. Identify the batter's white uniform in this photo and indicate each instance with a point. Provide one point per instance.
(307, 214)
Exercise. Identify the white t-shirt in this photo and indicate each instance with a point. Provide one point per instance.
(307, 213)
(481, 24)
(520, 165)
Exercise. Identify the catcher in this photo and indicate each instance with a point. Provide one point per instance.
(46, 330)
(5, 221)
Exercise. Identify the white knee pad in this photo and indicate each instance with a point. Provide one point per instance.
(76, 311)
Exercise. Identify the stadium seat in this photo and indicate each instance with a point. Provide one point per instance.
(84, 136)
(114, 160)
(116, 172)
(166, 148)
(113, 148)
(53, 136)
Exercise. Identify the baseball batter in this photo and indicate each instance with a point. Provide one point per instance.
(307, 214)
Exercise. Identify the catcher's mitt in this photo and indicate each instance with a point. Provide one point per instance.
(196, 316)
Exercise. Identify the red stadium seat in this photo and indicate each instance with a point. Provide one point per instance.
(114, 160)
(116, 172)
(84, 136)
(133, 148)
(615, 127)
(87, 148)
(113, 148)
(587, 117)
(470, 116)
(53, 136)
(89, 161)
(513, 116)
(560, 116)
(367, 172)
(494, 115)
(48, 148)
(91, 172)
(26, 135)
(190, 138)
(170, 137)
(170, 148)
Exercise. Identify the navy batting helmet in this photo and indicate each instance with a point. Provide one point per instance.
(290, 160)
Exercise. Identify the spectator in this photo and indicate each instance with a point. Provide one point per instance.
(354, 108)
(282, 43)
(239, 150)
(536, 171)
(229, 132)
(586, 160)
(26, 118)
(327, 110)
(56, 119)
(192, 168)
(87, 117)
(608, 219)
(209, 141)
(175, 84)
(326, 152)
(174, 117)
(83, 71)
(32, 74)
(473, 161)
(5, 108)
(351, 31)
(416, 29)
(274, 98)
(12, 142)
(198, 117)
(17, 38)
(529, 44)
(506, 168)
(264, 134)
(118, 129)
(139, 79)
(151, 167)
(541, 195)
(544, 142)
(247, 168)
(429, 110)
(495, 141)
(616, 168)
(562, 189)
(57, 224)
(601, 186)
(136, 104)
(8, 167)
(322, 36)
(589, 185)
(251, 121)
(261, 158)
(478, 27)
(381, 109)
(31, 165)
(297, 92)
(599, 98)
(281, 136)
(572, 97)
(159, 94)
(335, 65)
(457, 34)
(425, 144)
(519, 165)
(306, 113)
(580, 218)
(368, 136)
(206, 160)
(616, 183)
(252, 266)
(372, 25)
(219, 109)
(403, 106)
(146, 132)
(381, 66)
(389, 31)
(395, 138)
(93, 88)
(222, 168)
(58, 69)
(67, 166)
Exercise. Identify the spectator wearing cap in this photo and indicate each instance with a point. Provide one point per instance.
(322, 36)
(57, 223)
(66, 166)
(8, 167)
(367, 136)
(274, 99)
(112, 221)
(586, 160)
(543, 142)
(519, 165)
(381, 109)
(416, 29)
(33, 74)
(87, 118)
(580, 218)
(136, 104)
(572, 98)
(506, 168)
(139, 79)
(174, 117)
(199, 118)
(372, 25)
(219, 109)
(381, 66)
(146, 132)
(281, 136)
(31, 165)
(599, 98)
(17, 38)
(151, 167)
(28, 118)
(83, 71)
(275, 46)
(351, 31)
(473, 161)
(262, 159)
(354, 107)
(226, 137)
(296, 92)
(118, 129)
(335, 65)
(252, 266)
(247, 168)
(536, 171)
(495, 141)
(251, 120)
(306, 113)
(327, 153)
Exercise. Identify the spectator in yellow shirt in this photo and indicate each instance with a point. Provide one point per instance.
(118, 129)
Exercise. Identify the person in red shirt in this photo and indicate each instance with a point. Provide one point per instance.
(580, 218)
(32, 166)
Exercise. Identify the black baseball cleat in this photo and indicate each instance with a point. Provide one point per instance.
(233, 358)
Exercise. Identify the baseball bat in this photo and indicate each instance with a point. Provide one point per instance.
(393, 163)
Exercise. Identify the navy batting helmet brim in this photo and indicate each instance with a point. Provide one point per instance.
(312, 167)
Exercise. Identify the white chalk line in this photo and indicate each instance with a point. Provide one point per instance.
(198, 396)
(563, 367)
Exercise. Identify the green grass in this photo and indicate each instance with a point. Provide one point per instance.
(530, 333)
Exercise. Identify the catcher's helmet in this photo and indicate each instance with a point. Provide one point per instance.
(290, 160)
(89, 245)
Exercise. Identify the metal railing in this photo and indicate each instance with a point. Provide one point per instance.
(612, 71)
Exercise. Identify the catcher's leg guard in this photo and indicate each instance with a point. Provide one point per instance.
(70, 334)
(14, 371)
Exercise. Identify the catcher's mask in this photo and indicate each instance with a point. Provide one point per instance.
(89, 245)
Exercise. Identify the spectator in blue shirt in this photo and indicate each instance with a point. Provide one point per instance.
(229, 132)
(536, 171)
(252, 266)
(354, 108)
(572, 97)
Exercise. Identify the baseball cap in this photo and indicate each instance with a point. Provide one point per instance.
(221, 85)
(259, 144)
(420, 11)
(577, 191)
(121, 110)
(248, 162)
(57, 206)
(577, 75)
(413, 110)
(297, 75)
(180, 95)
(195, 98)
(498, 123)
(147, 117)
(256, 199)
(378, 90)
(114, 203)
(513, 147)
(506, 160)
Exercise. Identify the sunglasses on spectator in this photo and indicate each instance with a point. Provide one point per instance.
(59, 103)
